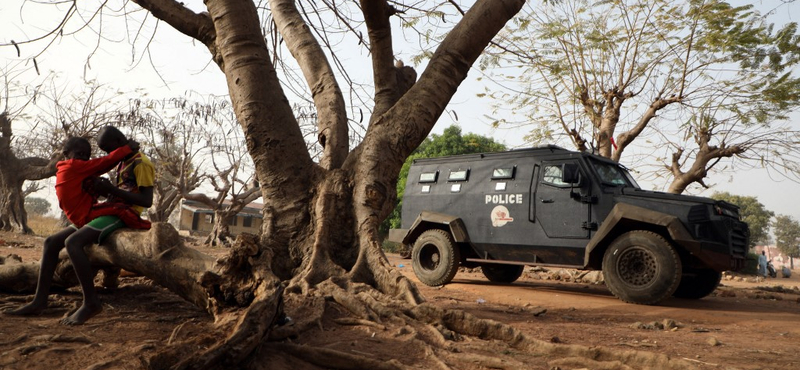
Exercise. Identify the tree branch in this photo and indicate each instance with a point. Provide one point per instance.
(328, 98)
(31, 188)
(390, 81)
(202, 198)
(34, 168)
(196, 26)
(377, 160)
(625, 138)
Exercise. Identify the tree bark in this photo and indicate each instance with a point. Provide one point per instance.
(13, 174)
(328, 98)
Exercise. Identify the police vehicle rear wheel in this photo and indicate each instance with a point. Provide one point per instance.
(498, 273)
(698, 284)
(435, 257)
(641, 267)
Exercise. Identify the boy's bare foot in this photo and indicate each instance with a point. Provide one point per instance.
(83, 314)
(26, 310)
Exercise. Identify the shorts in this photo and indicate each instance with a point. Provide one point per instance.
(105, 225)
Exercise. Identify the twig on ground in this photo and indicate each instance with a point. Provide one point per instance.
(699, 362)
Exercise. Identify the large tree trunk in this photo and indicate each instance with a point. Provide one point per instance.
(220, 234)
(164, 203)
(13, 173)
(12, 204)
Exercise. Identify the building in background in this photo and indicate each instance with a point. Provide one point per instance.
(197, 219)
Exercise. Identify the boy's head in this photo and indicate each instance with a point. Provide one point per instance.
(110, 138)
(77, 148)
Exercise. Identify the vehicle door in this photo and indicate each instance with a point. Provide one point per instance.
(560, 207)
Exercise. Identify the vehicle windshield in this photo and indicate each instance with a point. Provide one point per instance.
(613, 174)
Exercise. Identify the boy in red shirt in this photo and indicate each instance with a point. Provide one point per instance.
(75, 177)
(76, 181)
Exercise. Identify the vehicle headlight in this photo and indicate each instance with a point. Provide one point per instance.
(726, 212)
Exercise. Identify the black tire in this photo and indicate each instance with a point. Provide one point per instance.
(698, 284)
(641, 267)
(435, 257)
(498, 273)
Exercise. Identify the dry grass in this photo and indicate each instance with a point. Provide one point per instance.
(44, 225)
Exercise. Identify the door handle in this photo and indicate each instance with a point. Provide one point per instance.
(547, 201)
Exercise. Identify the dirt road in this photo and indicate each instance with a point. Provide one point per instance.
(743, 325)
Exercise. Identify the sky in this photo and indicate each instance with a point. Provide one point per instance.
(175, 64)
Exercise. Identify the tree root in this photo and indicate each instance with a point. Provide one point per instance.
(333, 359)
(580, 362)
(252, 326)
(307, 312)
(19, 339)
(467, 324)
(353, 321)
(490, 362)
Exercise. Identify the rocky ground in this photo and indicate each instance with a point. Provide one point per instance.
(745, 324)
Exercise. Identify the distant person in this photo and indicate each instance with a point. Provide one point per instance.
(786, 272)
(762, 265)
(77, 188)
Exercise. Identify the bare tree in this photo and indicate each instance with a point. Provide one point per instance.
(174, 140)
(702, 86)
(233, 180)
(50, 116)
(319, 241)
(14, 172)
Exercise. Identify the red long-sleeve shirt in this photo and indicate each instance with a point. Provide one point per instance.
(73, 200)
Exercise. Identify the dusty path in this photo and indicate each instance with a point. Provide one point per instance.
(739, 327)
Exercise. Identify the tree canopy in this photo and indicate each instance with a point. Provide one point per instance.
(37, 206)
(683, 89)
(787, 235)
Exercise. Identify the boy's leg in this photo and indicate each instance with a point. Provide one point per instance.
(94, 232)
(52, 246)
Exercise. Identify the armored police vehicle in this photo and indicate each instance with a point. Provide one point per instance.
(550, 206)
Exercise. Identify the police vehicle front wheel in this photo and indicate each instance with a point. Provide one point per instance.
(498, 273)
(641, 267)
(435, 257)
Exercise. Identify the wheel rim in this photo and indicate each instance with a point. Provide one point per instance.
(637, 266)
(429, 257)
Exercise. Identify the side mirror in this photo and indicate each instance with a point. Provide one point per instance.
(570, 174)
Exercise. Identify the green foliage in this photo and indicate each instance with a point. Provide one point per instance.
(787, 235)
(577, 71)
(391, 247)
(450, 142)
(37, 206)
(753, 212)
(751, 265)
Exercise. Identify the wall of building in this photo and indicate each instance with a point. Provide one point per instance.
(206, 223)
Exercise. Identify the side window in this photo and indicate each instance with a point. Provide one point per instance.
(503, 173)
(501, 176)
(458, 175)
(552, 175)
(427, 177)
